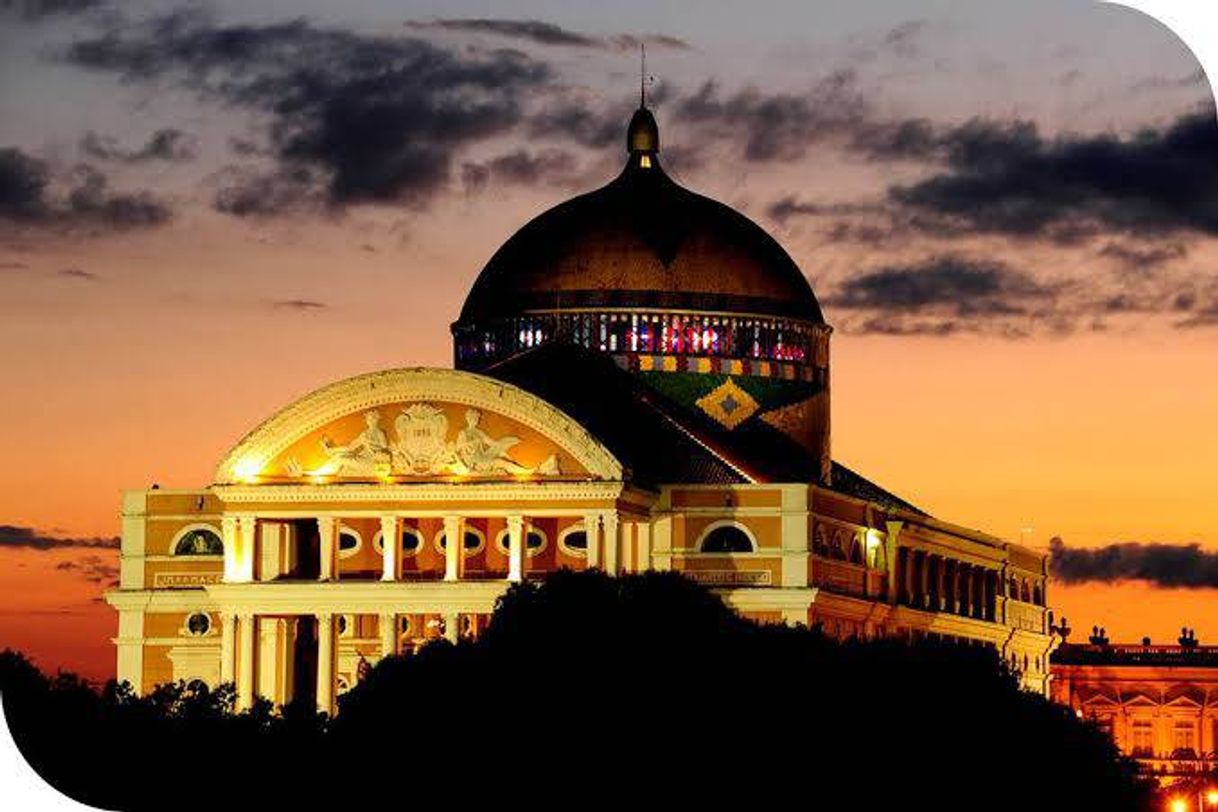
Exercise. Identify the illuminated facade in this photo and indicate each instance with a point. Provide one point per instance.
(1158, 703)
(642, 382)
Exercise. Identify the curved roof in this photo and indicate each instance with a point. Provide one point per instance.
(642, 241)
(245, 462)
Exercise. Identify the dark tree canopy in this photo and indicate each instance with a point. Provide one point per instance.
(587, 690)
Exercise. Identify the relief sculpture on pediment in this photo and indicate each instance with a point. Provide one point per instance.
(421, 447)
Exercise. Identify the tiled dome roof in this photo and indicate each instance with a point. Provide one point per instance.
(642, 241)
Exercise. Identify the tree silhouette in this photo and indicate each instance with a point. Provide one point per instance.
(590, 690)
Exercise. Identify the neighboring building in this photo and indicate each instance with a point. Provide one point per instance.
(642, 383)
(1158, 703)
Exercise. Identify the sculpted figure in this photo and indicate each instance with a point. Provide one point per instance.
(368, 453)
(479, 453)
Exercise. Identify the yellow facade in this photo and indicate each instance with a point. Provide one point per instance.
(303, 572)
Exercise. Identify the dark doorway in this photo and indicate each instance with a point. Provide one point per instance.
(304, 661)
(307, 564)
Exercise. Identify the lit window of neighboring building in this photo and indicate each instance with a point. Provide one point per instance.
(1143, 736)
(1184, 740)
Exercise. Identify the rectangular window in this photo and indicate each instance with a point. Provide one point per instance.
(1184, 740)
(1143, 739)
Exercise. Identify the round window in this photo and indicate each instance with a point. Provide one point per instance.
(198, 624)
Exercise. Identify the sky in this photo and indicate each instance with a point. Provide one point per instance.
(1009, 212)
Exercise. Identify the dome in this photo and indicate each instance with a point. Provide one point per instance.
(642, 241)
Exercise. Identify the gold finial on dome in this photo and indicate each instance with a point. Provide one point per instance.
(643, 134)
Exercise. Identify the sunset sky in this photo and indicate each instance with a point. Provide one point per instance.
(1009, 212)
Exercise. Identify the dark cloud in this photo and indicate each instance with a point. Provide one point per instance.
(92, 568)
(903, 39)
(1164, 565)
(776, 127)
(788, 207)
(1005, 177)
(37, 10)
(543, 33)
(1205, 317)
(961, 286)
(77, 273)
(368, 119)
(264, 194)
(1159, 83)
(576, 122)
(13, 266)
(83, 200)
(533, 30)
(28, 537)
(550, 166)
(168, 144)
(1135, 256)
(299, 305)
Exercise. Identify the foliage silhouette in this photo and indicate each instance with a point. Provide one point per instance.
(586, 690)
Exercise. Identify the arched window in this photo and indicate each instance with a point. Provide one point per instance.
(856, 551)
(474, 541)
(574, 540)
(199, 541)
(1037, 597)
(534, 542)
(837, 548)
(726, 538)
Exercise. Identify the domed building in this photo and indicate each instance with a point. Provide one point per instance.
(641, 382)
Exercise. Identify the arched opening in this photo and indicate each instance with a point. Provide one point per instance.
(199, 541)
(728, 538)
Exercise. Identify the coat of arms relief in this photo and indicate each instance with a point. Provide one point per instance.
(421, 447)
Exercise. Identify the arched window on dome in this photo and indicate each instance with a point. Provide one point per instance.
(727, 538)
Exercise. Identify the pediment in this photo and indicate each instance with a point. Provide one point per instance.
(417, 425)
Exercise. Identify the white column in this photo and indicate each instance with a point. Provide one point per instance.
(387, 624)
(248, 531)
(629, 539)
(613, 541)
(325, 663)
(454, 543)
(245, 664)
(327, 532)
(452, 627)
(643, 535)
(270, 550)
(592, 527)
(228, 647)
(515, 548)
(389, 544)
(229, 535)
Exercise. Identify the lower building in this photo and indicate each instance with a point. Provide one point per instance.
(1158, 703)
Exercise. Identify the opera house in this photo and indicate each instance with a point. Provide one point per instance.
(642, 381)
